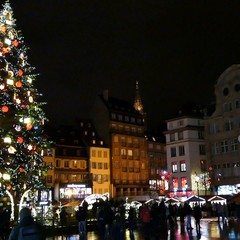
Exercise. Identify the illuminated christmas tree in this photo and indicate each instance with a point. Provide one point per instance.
(22, 141)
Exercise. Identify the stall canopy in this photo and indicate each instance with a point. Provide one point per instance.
(195, 199)
(217, 199)
(172, 200)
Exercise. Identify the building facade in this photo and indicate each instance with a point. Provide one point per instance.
(222, 130)
(99, 158)
(186, 156)
(158, 174)
(122, 128)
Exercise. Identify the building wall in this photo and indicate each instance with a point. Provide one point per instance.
(100, 170)
(222, 130)
(184, 135)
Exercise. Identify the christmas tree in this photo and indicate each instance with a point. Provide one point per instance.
(22, 141)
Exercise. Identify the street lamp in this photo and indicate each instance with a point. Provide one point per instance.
(197, 178)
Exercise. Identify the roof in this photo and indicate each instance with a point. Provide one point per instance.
(119, 105)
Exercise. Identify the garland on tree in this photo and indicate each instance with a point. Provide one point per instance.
(22, 140)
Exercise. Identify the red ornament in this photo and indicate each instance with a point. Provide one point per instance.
(5, 109)
(20, 139)
(15, 43)
(18, 84)
(21, 169)
(20, 72)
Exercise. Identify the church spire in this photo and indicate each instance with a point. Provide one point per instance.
(138, 102)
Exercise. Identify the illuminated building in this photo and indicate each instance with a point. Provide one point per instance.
(70, 178)
(223, 133)
(99, 157)
(121, 126)
(158, 175)
(186, 156)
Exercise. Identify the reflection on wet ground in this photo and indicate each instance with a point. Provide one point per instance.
(210, 230)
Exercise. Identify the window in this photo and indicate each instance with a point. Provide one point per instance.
(105, 154)
(105, 165)
(174, 167)
(99, 154)
(200, 134)
(224, 146)
(234, 144)
(116, 151)
(175, 183)
(94, 153)
(229, 125)
(120, 117)
(94, 165)
(181, 151)
(75, 164)
(126, 118)
(173, 152)
(237, 103)
(130, 154)
(49, 179)
(66, 164)
(123, 152)
(117, 164)
(202, 150)
(183, 167)
(172, 137)
(184, 182)
(214, 128)
(132, 120)
(99, 165)
(180, 135)
(180, 123)
(113, 115)
(58, 163)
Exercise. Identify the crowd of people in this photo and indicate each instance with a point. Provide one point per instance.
(113, 219)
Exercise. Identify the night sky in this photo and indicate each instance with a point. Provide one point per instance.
(175, 49)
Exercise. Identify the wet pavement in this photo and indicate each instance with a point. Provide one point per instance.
(210, 229)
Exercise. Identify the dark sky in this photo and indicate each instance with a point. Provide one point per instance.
(175, 49)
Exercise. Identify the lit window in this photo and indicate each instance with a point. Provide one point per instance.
(175, 183)
(174, 167)
(184, 182)
(183, 167)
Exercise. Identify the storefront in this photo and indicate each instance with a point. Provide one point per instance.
(74, 191)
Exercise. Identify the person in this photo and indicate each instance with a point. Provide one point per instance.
(197, 213)
(27, 228)
(81, 216)
(145, 217)
(63, 217)
(5, 223)
(188, 212)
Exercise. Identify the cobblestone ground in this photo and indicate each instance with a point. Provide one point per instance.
(210, 229)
